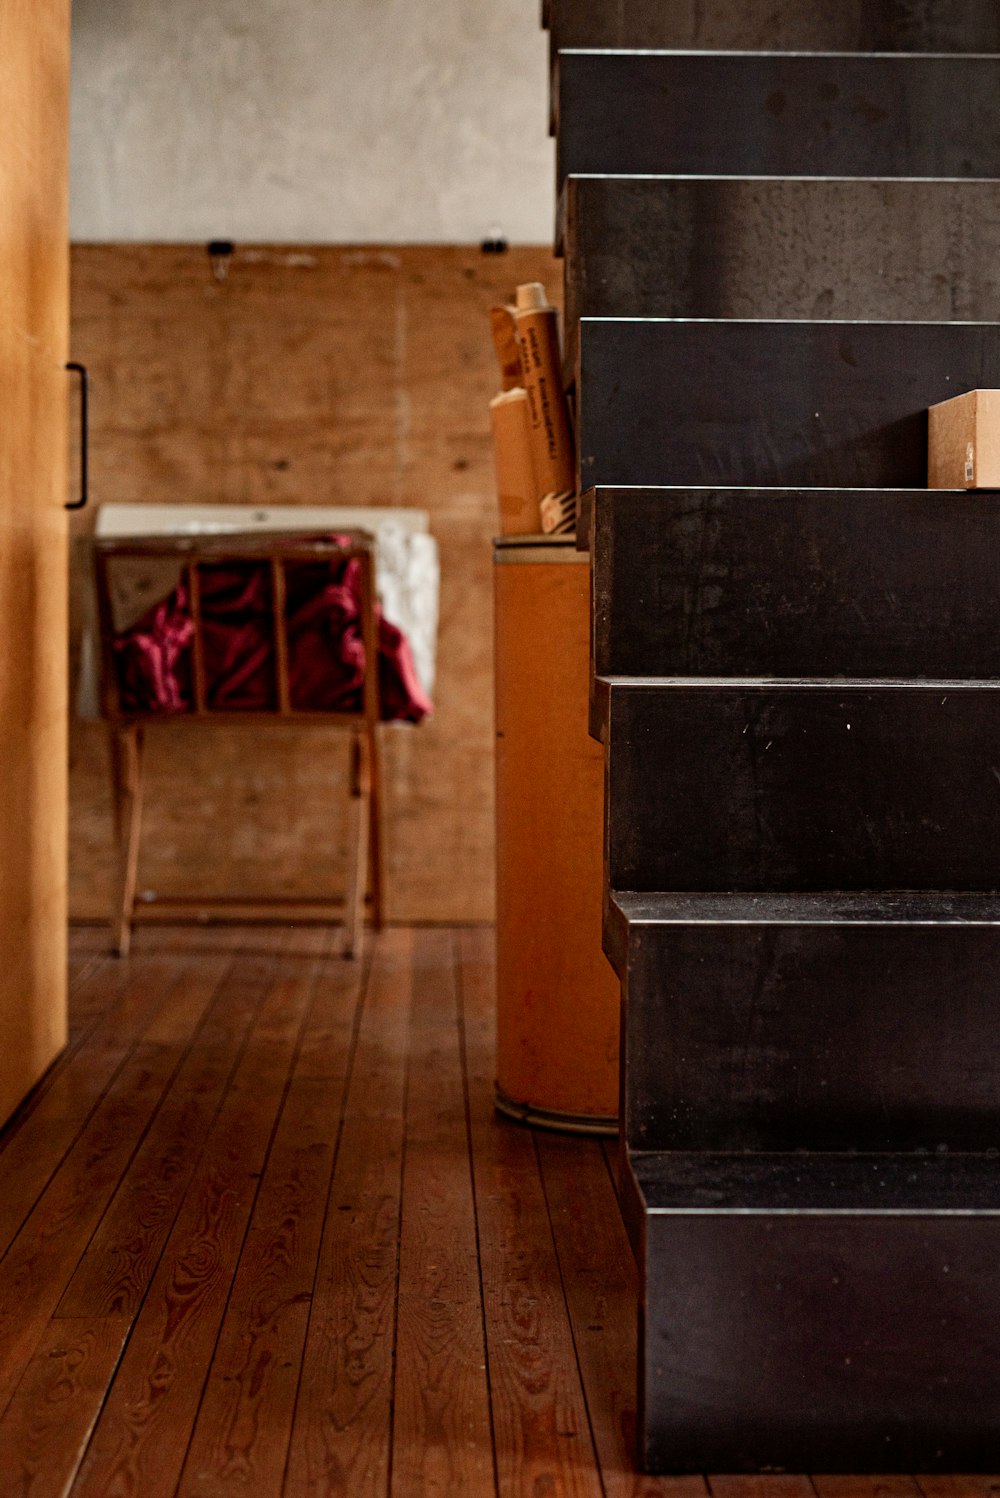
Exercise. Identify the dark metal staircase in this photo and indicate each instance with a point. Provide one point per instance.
(797, 681)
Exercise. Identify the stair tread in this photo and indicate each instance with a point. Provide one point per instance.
(804, 683)
(787, 113)
(860, 907)
(803, 786)
(896, 1184)
(783, 403)
(767, 24)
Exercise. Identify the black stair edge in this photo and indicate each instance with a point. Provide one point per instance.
(604, 688)
(567, 187)
(628, 911)
(615, 931)
(828, 1184)
(597, 494)
(599, 709)
(754, 52)
(807, 908)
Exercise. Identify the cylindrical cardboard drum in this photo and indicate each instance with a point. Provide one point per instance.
(557, 997)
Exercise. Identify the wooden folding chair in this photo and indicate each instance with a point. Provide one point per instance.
(128, 726)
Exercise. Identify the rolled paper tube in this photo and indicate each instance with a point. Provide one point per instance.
(519, 510)
(558, 513)
(505, 343)
(531, 296)
(552, 449)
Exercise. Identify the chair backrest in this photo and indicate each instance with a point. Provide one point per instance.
(183, 558)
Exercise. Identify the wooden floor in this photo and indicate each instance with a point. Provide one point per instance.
(262, 1233)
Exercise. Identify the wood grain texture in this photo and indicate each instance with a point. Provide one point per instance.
(542, 1430)
(33, 1150)
(441, 1428)
(34, 318)
(342, 1433)
(770, 1486)
(48, 1422)
(959, 1487)
(599, 1278)
(192, 1389)
(113, 1274)
(37, 1265)
(139, 1441)
(839, 1486)
(240, 1439)
(325, 375)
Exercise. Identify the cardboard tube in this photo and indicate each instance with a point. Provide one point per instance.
(505, 343)
(519, 512)
(552, 450)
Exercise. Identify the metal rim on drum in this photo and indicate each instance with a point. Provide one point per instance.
(551, 1118)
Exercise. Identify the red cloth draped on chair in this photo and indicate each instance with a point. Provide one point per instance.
(326, 652)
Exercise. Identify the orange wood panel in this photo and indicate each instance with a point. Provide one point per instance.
(34, 74)
(557, 997)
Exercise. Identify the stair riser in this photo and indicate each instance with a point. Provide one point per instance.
(784, 116)
(811, 583)
(818, 1037)
(779, 25)
(739, 249)
(803, 788)
(792, 405)
(821, 1343)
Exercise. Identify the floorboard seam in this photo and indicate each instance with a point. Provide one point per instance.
(460, 1005)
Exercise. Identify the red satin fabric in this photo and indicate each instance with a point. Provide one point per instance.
(326, 651)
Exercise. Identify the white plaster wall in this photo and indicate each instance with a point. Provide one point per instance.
(335, 121)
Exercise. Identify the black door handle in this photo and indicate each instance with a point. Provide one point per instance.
(78, 504)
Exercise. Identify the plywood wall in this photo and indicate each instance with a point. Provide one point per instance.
(324, 375)
(34, 73)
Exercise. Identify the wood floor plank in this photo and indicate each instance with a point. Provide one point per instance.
(80, 967)
(770, 1486)
(85, 939)
(115, 1270)
(959, 1487)
(840, 1486)
(601, 1286)
(95, 993)
(40, 1139)
(42, 1257)
(442, 1439)
(543, 1438)
(224, 1328)
(44, 1254)
(140, 1440)
(242, 1433)
(48, 1422)
(342, 1430)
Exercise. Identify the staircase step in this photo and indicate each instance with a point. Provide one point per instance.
(786, 404)
(790, 583)
(784, 114)
(809, 1313)
(778, 25)
(736, 247)
(770, 785)
(830, 1021)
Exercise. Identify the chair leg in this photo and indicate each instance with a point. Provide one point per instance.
(376, 871)
(127, 759)
(116, 759)
(358, 840)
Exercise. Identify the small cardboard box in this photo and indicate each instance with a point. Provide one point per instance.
(963, 442)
